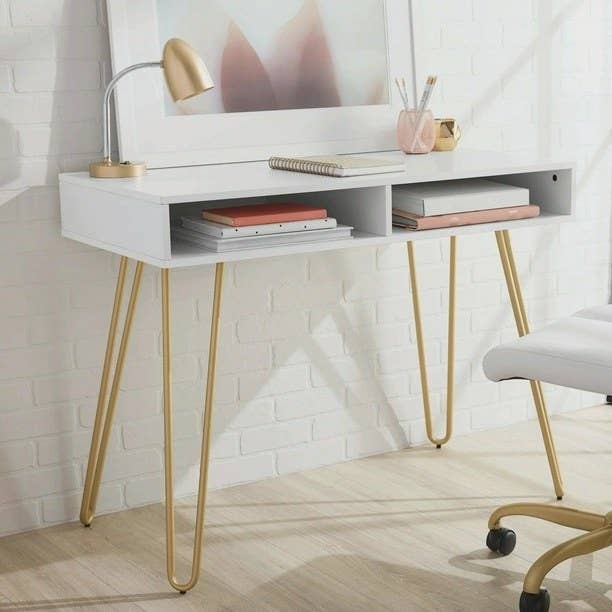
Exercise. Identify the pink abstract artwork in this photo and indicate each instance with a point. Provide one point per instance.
(276, 55)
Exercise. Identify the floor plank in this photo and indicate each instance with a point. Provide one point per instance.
(397, 532)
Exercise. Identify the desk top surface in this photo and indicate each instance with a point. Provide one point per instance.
(255, 179)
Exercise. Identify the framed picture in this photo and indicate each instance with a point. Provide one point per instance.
(293, 77)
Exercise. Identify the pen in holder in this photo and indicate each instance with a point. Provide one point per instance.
(416, 131)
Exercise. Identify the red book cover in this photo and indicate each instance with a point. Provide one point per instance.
(260, 214)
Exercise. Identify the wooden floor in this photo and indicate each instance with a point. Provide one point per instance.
(404, 532)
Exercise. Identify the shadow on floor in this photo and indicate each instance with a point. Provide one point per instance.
(70, 603)
(343, 583)
(349, 582)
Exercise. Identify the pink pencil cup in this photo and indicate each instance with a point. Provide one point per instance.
(408, 139)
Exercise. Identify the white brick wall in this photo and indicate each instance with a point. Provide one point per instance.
(317, 360)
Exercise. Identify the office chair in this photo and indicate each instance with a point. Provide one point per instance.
(574, 352)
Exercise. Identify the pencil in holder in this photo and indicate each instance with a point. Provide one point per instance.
(416, 131)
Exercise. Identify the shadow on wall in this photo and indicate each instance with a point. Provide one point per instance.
(32, 257)
(607, 91)
(332, 369)
(539, 48)
(550, 22)
(43, 271)
(611, 241)
(9, 146)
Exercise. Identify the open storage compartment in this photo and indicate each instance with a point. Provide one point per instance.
(551, 190)
(367, 210)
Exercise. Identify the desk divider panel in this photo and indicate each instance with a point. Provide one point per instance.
(367, 209)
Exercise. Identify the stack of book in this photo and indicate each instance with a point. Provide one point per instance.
(463, 202)
(258, 225)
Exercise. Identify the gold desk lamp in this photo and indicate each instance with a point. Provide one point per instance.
(186, 77)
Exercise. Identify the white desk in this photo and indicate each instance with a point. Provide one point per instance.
(132, 218)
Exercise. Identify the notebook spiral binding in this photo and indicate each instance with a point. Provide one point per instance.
(308, 167)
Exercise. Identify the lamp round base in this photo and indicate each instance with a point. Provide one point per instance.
(111, 170)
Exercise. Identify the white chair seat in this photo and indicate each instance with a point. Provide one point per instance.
(574, 352)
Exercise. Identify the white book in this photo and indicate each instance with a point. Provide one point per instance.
(223, 245)
(447, 197)
(218, 230)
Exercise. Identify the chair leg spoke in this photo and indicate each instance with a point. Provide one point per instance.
(582, 545)
(568, 517)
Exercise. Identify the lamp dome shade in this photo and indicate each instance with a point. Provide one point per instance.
(186, 74)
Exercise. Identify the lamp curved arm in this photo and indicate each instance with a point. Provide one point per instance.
(106, 119)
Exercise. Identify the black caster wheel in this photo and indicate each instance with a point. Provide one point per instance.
(501, 540)
(535, 603)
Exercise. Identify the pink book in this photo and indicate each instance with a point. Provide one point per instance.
(410, 221)
(260, 214)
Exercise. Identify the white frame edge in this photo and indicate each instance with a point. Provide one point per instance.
(240, 137)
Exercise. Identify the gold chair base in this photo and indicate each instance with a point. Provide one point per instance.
(599, 536)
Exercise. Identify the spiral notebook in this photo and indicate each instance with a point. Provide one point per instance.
(337, 165)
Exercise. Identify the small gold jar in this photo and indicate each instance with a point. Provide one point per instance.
(448, 134)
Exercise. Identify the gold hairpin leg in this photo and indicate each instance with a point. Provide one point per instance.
(450, 383)
(105, 411)
(518, 307)
(206, 435)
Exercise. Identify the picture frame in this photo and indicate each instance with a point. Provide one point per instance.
(147, 131)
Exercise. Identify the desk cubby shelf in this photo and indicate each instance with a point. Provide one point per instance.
(132, 217)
